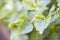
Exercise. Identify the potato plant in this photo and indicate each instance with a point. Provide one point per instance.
(31, 19)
